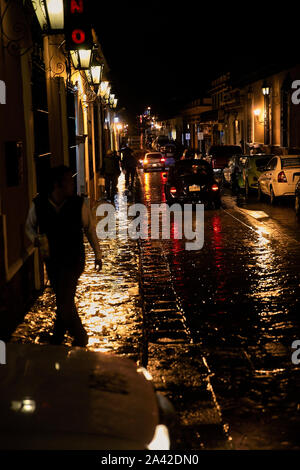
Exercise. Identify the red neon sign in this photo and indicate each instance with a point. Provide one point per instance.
(78, 36)
(76, 6)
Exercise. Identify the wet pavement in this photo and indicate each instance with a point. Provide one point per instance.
(107, 302)
(239, 296)
(214, 326)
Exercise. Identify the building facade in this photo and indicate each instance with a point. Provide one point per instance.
(188, 127)
(257, 111)
(50, 114)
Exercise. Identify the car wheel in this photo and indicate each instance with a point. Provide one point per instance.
(273, 198)
(297, 205)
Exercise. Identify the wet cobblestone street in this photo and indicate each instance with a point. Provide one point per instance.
(213, 326)
(238, 303)
(108, 301)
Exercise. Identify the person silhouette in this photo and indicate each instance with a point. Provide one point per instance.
(55, 222)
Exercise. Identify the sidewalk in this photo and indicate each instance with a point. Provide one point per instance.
(108, 302)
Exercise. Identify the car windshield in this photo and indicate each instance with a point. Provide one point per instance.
(187, 167)
(153, 155)
(262, 162)
(290, 162)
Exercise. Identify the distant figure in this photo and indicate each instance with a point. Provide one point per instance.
(111, 170)
(129, 164)
(55, 224)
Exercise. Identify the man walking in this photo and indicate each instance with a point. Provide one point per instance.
(55, 223)
(129, 165)
(111, 170)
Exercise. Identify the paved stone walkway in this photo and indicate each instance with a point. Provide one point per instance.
(108, 302)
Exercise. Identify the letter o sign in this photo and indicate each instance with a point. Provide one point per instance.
(78, 36)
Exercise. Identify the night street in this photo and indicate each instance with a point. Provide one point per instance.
(219, 321)
(240, 302)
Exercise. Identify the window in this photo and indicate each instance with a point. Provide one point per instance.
(262, 162)
(272, 165)
(290, 162)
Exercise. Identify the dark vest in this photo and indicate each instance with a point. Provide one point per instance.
(64, 230)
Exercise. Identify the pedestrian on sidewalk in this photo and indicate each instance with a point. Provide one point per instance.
(111, 171)
(55, 223)
(129, 164)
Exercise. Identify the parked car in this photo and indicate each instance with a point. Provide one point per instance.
(160, 141)
(154, 161)
(233, 173)
(252, 169)
(169, 152)
(280, 177)
(192, 180)
(190, 153)
(219, 155)
(56, 397)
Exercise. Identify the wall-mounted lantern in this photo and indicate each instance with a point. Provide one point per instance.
(50, 15)
(111, 99)
(103, 88)
(94, 74)
(265, 89)
(81, 58)
(107, 94)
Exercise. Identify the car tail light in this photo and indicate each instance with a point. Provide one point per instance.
(162, 159)
(282, 177)
(215, 187)
(173, 190)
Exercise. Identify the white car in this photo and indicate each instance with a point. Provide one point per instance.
(280, 177)
(154, 161)
(56, 397)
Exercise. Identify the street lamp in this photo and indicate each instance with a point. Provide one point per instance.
(265, 89)
(111, 99)
(94, 74)
(81, 58)
(115, 103)
(103, 88)
(50, 14)
(266, 92)
(107, 94)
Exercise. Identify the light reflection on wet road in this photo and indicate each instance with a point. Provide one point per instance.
(240, 296)
(222, 321)
(108, 302)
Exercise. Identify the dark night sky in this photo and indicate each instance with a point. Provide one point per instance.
(167, 54)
